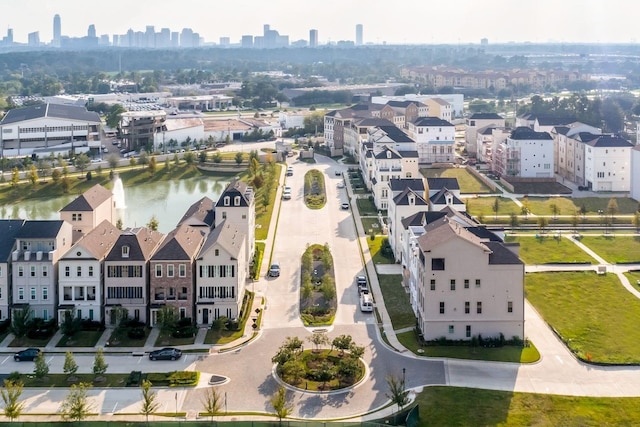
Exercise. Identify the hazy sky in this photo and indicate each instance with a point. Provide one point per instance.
(399, 21)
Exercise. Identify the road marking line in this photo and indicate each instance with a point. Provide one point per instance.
(559, 359)
(5, 359)
(114, 408)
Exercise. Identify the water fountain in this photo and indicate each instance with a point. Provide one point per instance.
(118, 192)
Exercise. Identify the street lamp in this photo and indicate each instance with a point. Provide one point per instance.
(403, 378)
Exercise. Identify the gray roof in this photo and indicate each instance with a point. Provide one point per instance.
(395, 134)
(383, 153)
(399, 184)
(201, 212)
(373, 122)
(98, 241)
(40, 229)
(431, 121)
(235, 188)
(227, 236)
(89, 200)
(58, 111)
(436, 184)
(440, 197)
(501, 255)
(609, 141)
(525, 133)
(554, 120)
(141, 241)
(182, 243)
(422, 218)
(402, 199)
(486, 116)
(9, 229)
(408, 153)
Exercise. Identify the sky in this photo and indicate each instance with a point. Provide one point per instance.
(399, 21)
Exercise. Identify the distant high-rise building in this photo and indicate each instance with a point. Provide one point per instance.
(91, 32)
(57, 31)
(246, 41)
(313, 38)
(186, 37)
(484, 41)
(150, 37)
(225, 41)
(175, 39)
(163, 38)
(9, 38)
(359, 35)
(33, 39)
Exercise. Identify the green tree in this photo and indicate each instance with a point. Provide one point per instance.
(10, 395)
(189, 157)
(318, 339)
(254, 166)
(143, 159)
(328, 287)
(265, 199)
(44, 168)
(70, 366)
(113, 118)
(281, 404)
(307, 288)
(217, 157)
(153, 165)
(612, 208)
(342, 343)
(202, 157)
(167, 318)
(20, 318)
(41, 369)
(113, 160)
(65, 184)
(99, 364)
(211, 402)
(82, 162)
(495, 207)
(325, 373)
(543, 222)
(294, 369)
(133, 162)
(514, 221)
(575, 220)
(55, 175)
(149, 400)
(153, 223)
(327, 259)
(397, 391)
(76, 406)
(238, 158)
(33, 175)
(119, 224)
(555, 210)
(15, 177)
(70, 324)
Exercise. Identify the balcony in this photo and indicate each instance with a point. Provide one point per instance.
(182, 297)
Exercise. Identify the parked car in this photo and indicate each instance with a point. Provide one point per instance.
(340, 184)
(28, 354)
(366, 303)
(289, 171)
(168, 353)
(361, 284)
(338, 173)
(344, 206)
(274, 270)
(286, 194)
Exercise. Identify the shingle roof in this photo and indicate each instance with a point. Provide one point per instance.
(431, 121)
(525, 133)
(58, 111)
(201, 212)
(98, 241)
(486, 116)
(235, 188)
(399, 184)
(443, 230)
(141, 241)
(422, 218)
(402, 199)
(554, 120)
(395, 134)
(440, 197)
(561, 130)
(609, 141)
(182, 243)
(373, 122)
(501, 255)
(9, 229)
(227, 236)
(89, 200)
(383, 153)
(40, 229)
(408, 153)
(436, 184)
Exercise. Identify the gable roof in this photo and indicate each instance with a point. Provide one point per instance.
(422, 218)
(436, 184)
(99, 241)
(89, 200)
(9, 229)
(182, 243)
(383, 153)
(399, 184)
(525, 133)
(373, 122)
(395, 134)
(40, 229)
(234, 189)
(501, 255)
(554, 120)
(201, 212)
(402, 199)
(141, 241)
(58, 111)
(607, 141)
(226, 235)
(440, 197)
(431, 121)
(442, 231)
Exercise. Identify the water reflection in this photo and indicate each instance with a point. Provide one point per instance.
(166, 200)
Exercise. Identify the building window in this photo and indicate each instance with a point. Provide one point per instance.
(227, 200)
(20, 271)
(479, 307)
(170, 270)
(32, 271)
(158, 270)
(451, 329)
(453, 284)
(45, 271)
(477, 283)
(236, 201)
(466, 283)
(125, 251)
(90, 271)
(183, 312)
(78, 271)
(33, 294)
(437, 263)
(224, 215)
(182, 270)
(21, 294)
(67, 271)
(468, 331)
(45, 314)
(45, 294)
(441, 307)
(467, 307)
(216, 252)
(433, 284)
(76, 217)
(509, 306)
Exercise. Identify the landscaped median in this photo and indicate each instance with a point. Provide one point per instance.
(315, 196)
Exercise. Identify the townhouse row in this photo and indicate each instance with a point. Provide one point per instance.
(82, 263)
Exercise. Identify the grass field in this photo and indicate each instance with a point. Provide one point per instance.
(569, 206)
(613, 249)
(166, 340)
(80, 339)
(549, 250)
(376, 255)
(585, 310)
(634, 277)
(371, 224)
(366, 207)
(467, 182)
(453, 406)
(396, 300)
(483, 206)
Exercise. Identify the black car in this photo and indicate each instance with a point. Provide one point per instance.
(168, 353)
(29, 354)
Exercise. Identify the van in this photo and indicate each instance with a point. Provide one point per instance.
(274, 270)
(366, 303)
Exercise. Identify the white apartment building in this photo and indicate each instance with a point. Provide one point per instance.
(479, 121)
(607, 163)
(9, 228)
(221, 274)
(236, 206)
(438, 107)
(434, 138)
(467, 285)
(80, 274)
(401, 206)
(525, 153)
(389, 164)
(569, 150)
(39, 246)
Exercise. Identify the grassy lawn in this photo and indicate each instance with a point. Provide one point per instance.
(618, 249)
(119, 338)
(507, 353)
(484, 206)
(376, 254)
(263, 215)
(633, 277)
(467, 182)
(61, 380)
(396, 300)
(28, 342)
(548, 249)
(569, 206)
(166, 340)
(586, 311)
(371, 224)
(366, 207)
(80, 339)
(455, 406)
(222, 337)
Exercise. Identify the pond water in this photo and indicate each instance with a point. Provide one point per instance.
(167, 200)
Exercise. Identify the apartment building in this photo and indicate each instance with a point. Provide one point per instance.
(607, 163)
(474, 123)
(9, 228)
(236, 206)
(434, 138)
(88, 210)
(407, 203)
(525, 153)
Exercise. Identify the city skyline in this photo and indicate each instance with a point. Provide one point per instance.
(496, 20)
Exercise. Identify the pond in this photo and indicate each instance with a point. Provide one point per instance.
(167, 200)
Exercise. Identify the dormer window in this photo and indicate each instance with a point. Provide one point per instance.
(236, 201)
(227, 200)
(388, 154)
(125, 251)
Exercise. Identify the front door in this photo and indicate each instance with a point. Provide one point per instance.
(205, 316)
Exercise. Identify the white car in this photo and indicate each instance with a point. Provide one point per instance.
(340, 184)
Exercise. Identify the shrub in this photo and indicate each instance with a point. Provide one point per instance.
(184, 332)
(4, 325)
(91, 325)
(136, 333)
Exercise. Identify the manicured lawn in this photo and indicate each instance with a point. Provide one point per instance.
(80, 339)
(371, 224)
(455, 406)
(595, 315)
(477, 206)
(507, 353)
(263, 215)
(549, 249)
(119, 338)
(376, 254)
(618, 249)
(28, 342)
(61, 380)
(315, 196)
(221, 337)
(569, 206)
(467, 182)
(396, 299)
(633, 277)
(166, 340)
(366, 207)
